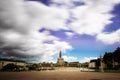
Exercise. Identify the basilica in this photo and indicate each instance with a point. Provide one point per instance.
(60, 61)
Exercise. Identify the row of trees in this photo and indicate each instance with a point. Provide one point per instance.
(71, 64)
(28, 67)
(110, 60)
(37, 66)
(13, 67)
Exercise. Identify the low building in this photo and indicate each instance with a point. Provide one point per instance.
(96, 64)
(4, 62)
(92, 65)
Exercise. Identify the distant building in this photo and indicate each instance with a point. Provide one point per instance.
(4, 62)
(96, 64)
(92, 65)
(60, 61)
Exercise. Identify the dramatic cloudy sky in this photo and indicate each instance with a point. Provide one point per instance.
(36, 30)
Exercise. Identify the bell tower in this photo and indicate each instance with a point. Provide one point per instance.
(60, 61)
(60, 55)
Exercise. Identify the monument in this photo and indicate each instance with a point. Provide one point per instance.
(60, 61)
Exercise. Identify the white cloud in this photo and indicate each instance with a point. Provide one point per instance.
(22, 15)
(69, 34)
(65, 3)
(92, 17)
(110, 38)
(48, 17)
(87, 59)
(32, 45)
(20, 22)
(70, 58)
(62, 1)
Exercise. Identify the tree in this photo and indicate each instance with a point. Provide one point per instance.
(117, 55)
(33, 66)
(108, 60)
(112, 59)
(74, 64)
(10, 67)
(97, 63)
(117, 58)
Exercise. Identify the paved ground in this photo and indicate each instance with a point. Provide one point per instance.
(58, 75)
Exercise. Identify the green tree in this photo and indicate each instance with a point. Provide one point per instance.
(108, 60)
(74, 64)
(33, 66)
(112, 59)
(117, 58)
(10, 67)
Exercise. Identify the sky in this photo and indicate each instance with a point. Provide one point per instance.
(37, 30)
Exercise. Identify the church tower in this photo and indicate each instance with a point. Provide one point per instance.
(60, 61)
(60, 55)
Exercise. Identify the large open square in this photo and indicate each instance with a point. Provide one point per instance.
(58, 75)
